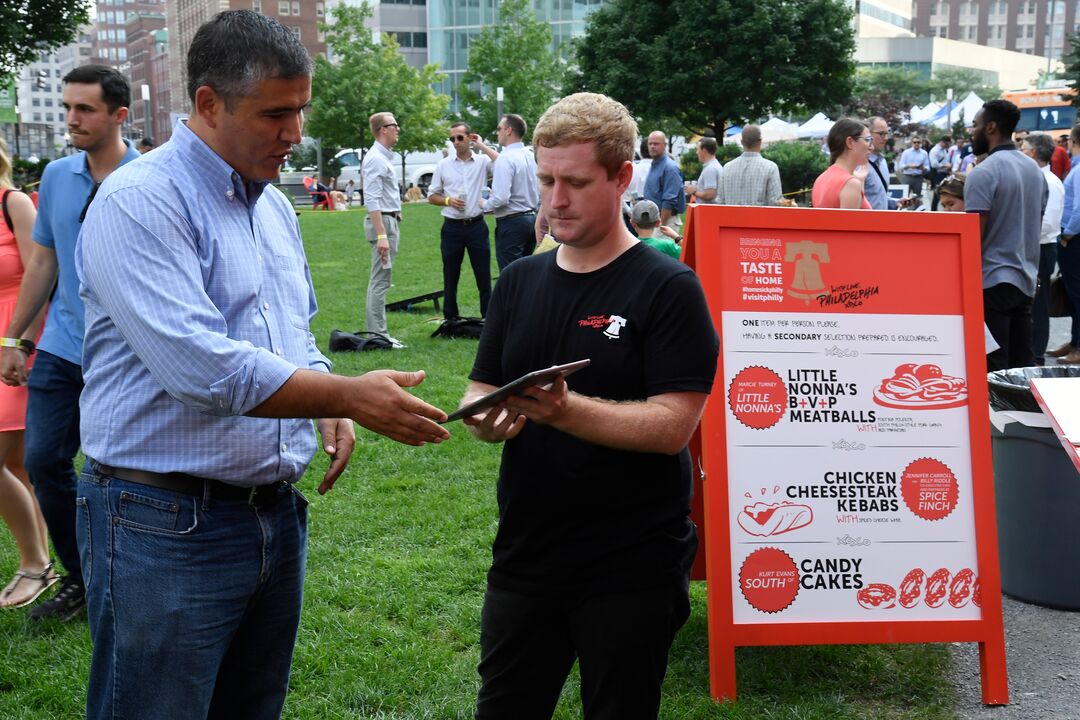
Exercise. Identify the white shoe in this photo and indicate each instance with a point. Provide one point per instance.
(396, 344)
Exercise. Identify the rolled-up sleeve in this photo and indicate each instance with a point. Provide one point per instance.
(373, 187)
(139, 265)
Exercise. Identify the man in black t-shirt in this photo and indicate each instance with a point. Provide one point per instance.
(592, 556)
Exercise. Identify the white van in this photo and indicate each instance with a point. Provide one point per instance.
(419, 168)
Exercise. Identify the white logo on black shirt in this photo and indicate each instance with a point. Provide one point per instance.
(616, 324)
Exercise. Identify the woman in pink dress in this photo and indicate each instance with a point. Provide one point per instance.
(18, 507)
(841, 185)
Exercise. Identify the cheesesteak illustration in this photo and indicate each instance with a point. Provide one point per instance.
(921, 387)
(768, 519)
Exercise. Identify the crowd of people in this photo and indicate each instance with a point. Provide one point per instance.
(157, 314)
(1013, 182)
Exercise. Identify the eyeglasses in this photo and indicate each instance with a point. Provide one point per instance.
(882, 133)
(869, 140)
(458, 138)
(89, 199)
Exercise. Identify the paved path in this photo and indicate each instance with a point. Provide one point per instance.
(1042, 650)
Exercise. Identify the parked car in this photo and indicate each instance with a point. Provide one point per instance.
(419, 168)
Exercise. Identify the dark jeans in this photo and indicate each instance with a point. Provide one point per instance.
(1007, 312)
(193, 602)
(52, 440)
(1069, 262)
(621, 641)
(936, 176)
(1040, 309)
(514, 237)
(457, 238)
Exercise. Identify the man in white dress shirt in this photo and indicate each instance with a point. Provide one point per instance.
(457, 186)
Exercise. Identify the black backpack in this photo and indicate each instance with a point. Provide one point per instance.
(358, 341)
(461, 327)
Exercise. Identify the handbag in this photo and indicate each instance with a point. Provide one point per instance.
(358, 341)
(1058, 303)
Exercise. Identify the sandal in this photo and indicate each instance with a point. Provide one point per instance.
(45, 580)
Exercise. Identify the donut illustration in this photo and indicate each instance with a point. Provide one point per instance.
(877, 596)
(911, 588)
(960, 588)
(976, 594)
(937, 587)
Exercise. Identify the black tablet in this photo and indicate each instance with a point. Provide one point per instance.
(537, 377)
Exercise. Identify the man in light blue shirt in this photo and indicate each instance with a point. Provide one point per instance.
(515, 195)
(96, 98)
(664, 184)
(201, 374)
(912, 165)
(876, 186)
(382, 224)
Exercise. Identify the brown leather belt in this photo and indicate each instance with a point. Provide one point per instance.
(199, 487)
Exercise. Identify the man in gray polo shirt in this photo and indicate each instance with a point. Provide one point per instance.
(707, 186)
(1008, 192)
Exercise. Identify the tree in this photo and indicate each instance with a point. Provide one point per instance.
(708, 62)
(1072, 67)
(370, 77)
(516, 55)
(31, 27)
(962, 81)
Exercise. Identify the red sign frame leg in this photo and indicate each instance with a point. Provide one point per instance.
(713, 515)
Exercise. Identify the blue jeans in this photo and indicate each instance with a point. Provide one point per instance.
(514, 237)
(193, 602)
(457, 238)
(1040, 309)
(52, 440)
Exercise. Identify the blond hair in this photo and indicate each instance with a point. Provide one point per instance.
(379, 120)
(590, 117)
(6, 180)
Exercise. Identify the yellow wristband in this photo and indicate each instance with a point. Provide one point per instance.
(380, 237)
(446, 201)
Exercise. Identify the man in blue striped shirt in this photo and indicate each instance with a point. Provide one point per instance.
(201, 371)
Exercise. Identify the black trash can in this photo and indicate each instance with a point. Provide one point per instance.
(1037, 493)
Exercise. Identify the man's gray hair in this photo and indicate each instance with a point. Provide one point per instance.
(1043, 147)
(237, 49)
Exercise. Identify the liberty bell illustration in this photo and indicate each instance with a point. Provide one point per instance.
(807, 255)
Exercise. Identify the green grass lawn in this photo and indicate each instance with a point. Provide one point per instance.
(399, 550)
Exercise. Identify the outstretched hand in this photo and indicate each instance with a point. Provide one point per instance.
(382, 406)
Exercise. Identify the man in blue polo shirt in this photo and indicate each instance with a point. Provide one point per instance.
(96, 98)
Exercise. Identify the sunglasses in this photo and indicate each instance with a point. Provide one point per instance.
(458, 138)
(89, 199)
(393, 125)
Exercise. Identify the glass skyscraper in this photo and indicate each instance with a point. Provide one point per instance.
(453, 23)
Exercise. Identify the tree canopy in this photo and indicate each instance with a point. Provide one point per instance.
(516, 55)
(367, 77)
(708, 62)
(31, 27)
(890, 91)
